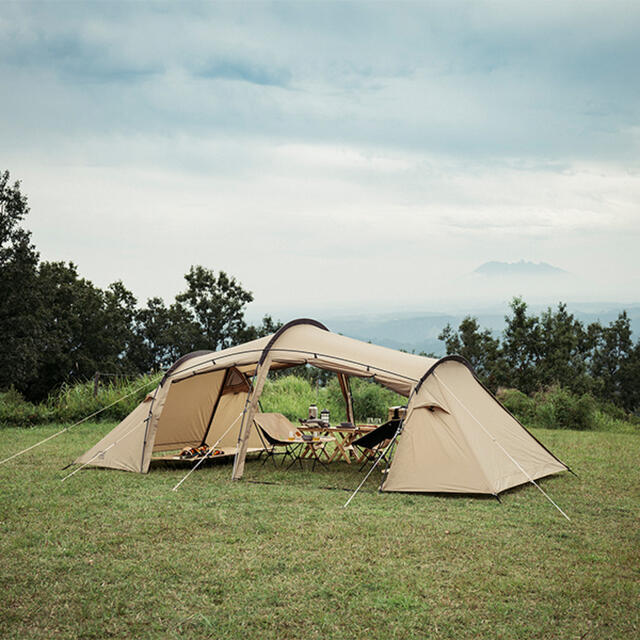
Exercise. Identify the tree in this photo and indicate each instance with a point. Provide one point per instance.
(163, 334)
(615, 363)
(215, 306)
(56, 326)
(521, 348)
(119, 308)
(480, 348)
(84, 329)
(563, 347)
(20, 326)
(267, 327)
(208, 315)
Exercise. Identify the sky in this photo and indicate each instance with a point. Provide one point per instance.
(337, 156)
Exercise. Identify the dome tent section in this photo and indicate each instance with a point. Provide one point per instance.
(456, 436)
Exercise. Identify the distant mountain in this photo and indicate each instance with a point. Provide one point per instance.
(521, 268)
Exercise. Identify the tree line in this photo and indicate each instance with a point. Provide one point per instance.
(538, 351)
(56, 326)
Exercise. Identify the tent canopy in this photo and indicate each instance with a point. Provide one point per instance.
(309, 342)
(455, 436)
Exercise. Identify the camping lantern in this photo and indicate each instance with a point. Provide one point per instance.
(324, 416)
(313, 412)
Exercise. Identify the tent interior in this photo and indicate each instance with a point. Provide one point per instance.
(455, 437)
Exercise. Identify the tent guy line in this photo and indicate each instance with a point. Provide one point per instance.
(75, 424)
(213, 447)
(520, 467)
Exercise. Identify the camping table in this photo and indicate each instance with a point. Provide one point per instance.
(311, 449)
(343, 436)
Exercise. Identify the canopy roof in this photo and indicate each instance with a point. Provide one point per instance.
(306, 341)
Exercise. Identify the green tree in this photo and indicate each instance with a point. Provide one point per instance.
(480, 348)
(563, 348)
(215, 305)
(85, 329)
(521, 348)
(20, 326)
(265, 328)
(209, 315)
(56, 326)
(163, 334)
(119, 308)
(615, 363)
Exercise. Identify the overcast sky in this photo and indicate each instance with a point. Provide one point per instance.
(328, 154)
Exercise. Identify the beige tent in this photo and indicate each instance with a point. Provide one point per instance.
(456, 437)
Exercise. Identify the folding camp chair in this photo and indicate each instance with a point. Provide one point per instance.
(274, 431)
(373, 442)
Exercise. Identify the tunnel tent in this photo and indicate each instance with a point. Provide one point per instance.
(456, 436)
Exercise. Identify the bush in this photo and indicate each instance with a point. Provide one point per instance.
(370, 400)
(75, 402)
(553, 408)
(558, 408)
(292, 395)
(16, 411)
(519, 404)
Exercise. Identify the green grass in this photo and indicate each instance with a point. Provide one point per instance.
(113, 554)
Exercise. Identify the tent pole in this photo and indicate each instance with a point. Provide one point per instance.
(75, 424)
(247, 418)
(147, 421)
(531, 480)
(345, 387)
(215, 406)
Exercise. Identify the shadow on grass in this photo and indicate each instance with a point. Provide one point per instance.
(340, 477)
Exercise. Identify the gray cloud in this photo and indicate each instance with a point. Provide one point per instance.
(244, 71)
(547, 82)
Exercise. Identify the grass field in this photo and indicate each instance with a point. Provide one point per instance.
(108, 554)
